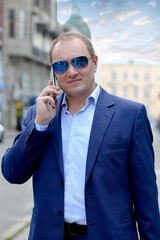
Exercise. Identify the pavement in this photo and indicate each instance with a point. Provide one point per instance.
(16, 202)
(23, 235)
(20, 231)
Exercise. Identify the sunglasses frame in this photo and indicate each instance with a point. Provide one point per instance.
(68, 62)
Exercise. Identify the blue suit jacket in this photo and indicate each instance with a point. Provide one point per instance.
(120, 187)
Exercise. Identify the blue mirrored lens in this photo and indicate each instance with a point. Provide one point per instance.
(60, 67)
(80, 62)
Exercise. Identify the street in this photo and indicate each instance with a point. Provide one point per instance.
(16, 200)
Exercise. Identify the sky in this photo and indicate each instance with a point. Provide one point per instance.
(120, 29)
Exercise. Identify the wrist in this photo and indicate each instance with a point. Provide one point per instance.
(41, 122)
(40, 127)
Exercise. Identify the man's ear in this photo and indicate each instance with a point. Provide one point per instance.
(95, 61)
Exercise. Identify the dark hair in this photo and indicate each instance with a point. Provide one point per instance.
(70, 36)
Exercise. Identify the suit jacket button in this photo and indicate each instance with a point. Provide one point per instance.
(61, 183)
(59, 212)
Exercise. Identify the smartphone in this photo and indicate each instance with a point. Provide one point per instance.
(53, 78)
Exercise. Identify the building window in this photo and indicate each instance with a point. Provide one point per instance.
(125, 75)
(146, 91)
(146, 76)
(125, 91)
(12, 23)
(114, 75)
(135, 75)
(114, 90)
(36, 3)
(39, 3)
(22, 18)
(135, 92)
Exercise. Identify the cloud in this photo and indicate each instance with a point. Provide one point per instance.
(137, 34)
(143, 21)
(124, 36)
(118, 16)
(115, 52)
(117, 11)
(155, 40)
(130, 3)
(93, 4)
(94, 24)
(122, 16)
(100, 43)
(87, 19)
(64, 12)
(152, 3)
(150, 40)
(111, 48)
(157, 51)
(62, 1)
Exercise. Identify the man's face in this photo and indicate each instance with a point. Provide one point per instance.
(75, 82)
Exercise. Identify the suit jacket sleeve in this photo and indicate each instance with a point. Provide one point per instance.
(143, 178)
(19, 162)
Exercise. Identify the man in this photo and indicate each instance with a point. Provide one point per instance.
(90, 154)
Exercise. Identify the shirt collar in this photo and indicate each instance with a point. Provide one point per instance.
(92, 97)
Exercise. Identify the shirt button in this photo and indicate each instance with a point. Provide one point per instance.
(59, 212)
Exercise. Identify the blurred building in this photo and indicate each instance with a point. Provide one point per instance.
(28, 29)
(2, 85)
(136, 81)
(76, 23)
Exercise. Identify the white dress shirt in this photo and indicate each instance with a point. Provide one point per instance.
(75, 139)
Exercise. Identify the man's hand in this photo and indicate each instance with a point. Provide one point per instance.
(46, 105)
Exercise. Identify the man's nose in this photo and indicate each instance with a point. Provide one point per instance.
(71, 70)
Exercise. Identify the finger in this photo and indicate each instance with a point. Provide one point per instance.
(46, 100)
(50, 90)
(50, 82)
(52, 102)
(55, 91)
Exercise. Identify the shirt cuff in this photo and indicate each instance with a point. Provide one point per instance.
(40, 128)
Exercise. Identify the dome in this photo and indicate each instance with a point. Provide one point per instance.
(76, 24)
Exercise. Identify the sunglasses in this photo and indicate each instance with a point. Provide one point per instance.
(61, 67)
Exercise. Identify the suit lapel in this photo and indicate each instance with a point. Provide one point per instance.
(102, 118)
